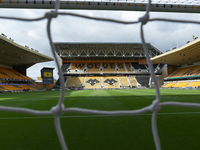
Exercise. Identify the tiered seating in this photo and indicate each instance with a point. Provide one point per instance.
(185, 72)
(2, 88)
(194, 84)
(169, 85)
(133, 81)
(180, 84)
(198, 70)
(12, 74)
(189, 71)
(12, 88)
(193, 71)
(75, 82)
(109, 68)
(27, 87)
(121, 68)
(93, 68)
(110, 82)
(92, 82)
(16, 75)
(123, 80)
(128, 67)
(17, 87)
(3, 73)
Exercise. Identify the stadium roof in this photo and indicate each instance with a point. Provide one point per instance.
(12, 54)
(103, 51)
(187, 54)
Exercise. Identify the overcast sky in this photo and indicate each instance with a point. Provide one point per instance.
(161, 35)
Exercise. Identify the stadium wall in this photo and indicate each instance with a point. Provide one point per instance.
(140, 61)
(5, 66)
(21, 69)
(164, 75)
(171, 69)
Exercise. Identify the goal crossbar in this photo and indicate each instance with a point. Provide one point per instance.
(126, 5)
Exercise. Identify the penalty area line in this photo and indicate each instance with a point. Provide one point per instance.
(51, 117)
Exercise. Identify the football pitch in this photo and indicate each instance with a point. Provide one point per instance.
(178, 127)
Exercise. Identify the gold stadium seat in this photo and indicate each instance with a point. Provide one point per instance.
(128, 67)
(180, 84)
(194, 84)
(121, 68)
(133, 81)
(123, 80)
(75, 82)
(169, 84)
(93, 68)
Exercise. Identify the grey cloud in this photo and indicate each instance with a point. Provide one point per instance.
(72, 29)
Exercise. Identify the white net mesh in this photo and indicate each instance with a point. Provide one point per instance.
(59, 109)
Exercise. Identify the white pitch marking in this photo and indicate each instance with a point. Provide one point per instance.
(176, 113)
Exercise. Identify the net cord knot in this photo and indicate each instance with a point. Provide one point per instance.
(57, 110)
(144, 19)
(51, 14)
(155, 106)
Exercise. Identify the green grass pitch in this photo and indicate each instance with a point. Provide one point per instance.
(178, 127)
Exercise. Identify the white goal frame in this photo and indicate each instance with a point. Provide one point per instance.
(59, 109)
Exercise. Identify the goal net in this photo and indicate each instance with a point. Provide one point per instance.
(59, 109)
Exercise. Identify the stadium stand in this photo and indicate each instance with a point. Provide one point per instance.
(104, 65)
(183, 66)
(15, 60)
(13, 81)
(187, 72)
